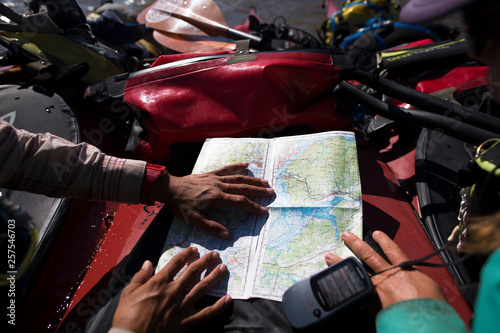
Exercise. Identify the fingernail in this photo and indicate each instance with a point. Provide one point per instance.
(194, 249)
(376, 233)
(270, 191)
(346, 234)
(215, 255)
(329, 256)
(264, 181)
(228, 299)
(145, 264)
(223, 268)
(224, 234)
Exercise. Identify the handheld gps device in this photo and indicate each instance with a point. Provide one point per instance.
(326, 293)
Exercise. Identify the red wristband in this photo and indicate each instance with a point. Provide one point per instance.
(153, 172)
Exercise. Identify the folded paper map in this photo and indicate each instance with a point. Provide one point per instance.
(318, 196)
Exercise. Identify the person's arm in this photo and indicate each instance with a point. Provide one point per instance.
(190, 196)
(411, 301)
(428, 315)
(487, 304)
(49, 165)
(161, 304)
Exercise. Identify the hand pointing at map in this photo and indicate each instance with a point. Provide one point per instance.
(190, 196)
(160, 303)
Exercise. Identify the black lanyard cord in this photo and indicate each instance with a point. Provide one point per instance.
(421, 261)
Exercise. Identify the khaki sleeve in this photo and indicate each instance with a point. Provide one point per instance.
(49, 165)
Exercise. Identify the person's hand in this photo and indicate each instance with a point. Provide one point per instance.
(394, 285)
(190, 196)
(161, 304)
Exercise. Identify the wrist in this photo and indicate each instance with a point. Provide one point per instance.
(152, 176)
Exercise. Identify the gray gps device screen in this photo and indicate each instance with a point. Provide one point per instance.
(333, 287)
(326, 293)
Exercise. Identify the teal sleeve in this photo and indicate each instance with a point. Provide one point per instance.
(487, 317)
(420, 315)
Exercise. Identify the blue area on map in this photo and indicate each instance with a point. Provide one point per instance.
(294, 220)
